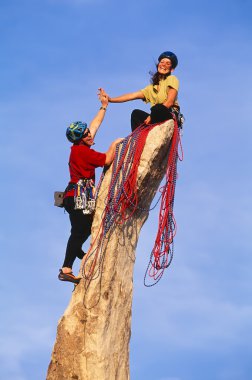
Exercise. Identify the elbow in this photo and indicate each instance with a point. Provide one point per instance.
(169, 103)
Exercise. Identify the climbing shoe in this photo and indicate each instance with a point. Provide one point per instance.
(70, 277)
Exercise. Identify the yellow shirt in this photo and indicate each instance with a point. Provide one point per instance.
(154, 96)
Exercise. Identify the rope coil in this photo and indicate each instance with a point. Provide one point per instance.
(122, 202)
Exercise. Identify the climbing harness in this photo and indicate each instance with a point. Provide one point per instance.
(122, 202)
(84, 193)
(84, 196)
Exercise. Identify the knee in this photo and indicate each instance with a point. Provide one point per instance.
(135, 114)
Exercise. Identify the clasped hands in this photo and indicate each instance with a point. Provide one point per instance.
(103, 97)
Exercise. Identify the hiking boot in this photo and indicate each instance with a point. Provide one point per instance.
(70, 277)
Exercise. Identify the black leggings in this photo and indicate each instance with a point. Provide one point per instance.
(158, 114)
(80, 231)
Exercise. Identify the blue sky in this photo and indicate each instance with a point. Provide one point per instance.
(197, 322)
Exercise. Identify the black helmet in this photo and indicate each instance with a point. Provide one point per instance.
(171, 56)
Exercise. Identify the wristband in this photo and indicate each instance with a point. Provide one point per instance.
(103, 108)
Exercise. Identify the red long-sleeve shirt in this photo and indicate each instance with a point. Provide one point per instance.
(82, 164)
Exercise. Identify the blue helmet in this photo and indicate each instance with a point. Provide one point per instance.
(75, 131)
(171, 56)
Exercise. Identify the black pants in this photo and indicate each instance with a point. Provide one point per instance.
(80, 231)
(158, 114)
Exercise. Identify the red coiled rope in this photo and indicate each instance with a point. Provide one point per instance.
(126, 192)
(122, 202)
(162, 253)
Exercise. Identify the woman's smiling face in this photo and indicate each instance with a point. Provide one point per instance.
(164, 66)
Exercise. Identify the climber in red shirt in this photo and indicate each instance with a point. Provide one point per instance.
(79, 195)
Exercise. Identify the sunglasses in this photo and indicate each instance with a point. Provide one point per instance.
(85, 134)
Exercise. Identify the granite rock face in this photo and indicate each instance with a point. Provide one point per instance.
(93, 335)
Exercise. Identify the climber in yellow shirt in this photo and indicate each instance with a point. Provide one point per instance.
(162, 94)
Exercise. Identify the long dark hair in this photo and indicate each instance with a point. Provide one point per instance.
(156, 77)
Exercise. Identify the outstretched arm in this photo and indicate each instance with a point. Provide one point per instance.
(97, 120)
(126, 97)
